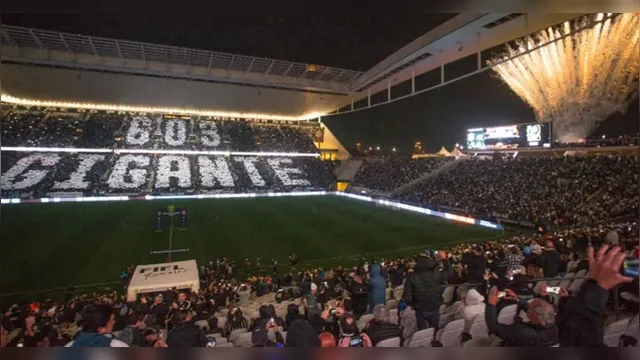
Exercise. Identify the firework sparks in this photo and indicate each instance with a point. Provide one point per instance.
(576, 81)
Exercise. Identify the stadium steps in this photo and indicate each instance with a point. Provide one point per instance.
(444, 168)
(347, 169)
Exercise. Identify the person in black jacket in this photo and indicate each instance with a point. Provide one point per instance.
(476, 265)
(549, 260)
(583, 321)
(185, 333)
(422, 290)
(539, 331)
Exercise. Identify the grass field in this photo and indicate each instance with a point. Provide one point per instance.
(47, 246)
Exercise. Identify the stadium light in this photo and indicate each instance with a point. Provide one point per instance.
(377, 147)
(154, 109)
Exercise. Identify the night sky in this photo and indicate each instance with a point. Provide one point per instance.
(352, 38)
(355, 39)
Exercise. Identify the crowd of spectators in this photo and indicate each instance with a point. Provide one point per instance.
(36, 175)
(40, 128)
(386, 173)
(397, 302)
(571, 190)
(602, 141)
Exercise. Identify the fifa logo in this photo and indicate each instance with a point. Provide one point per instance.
(152, 272)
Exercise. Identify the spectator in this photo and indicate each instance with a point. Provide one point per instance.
(311, 301)
(244, 293)
(549, 260)
(377, 287)
(380, 328)
(422, 290)
(5, 329)
(476, 265)
(260, 337)
(185, 333)
(583, 323)
(359, 295)
(159, 310)
(151, 338)
(212, 327)
(539, 331)
(183, 303)
(350, 336)
(132, 334)
(302, 334)
(96, 330)
(293, 314)
(327, 340)
(397, 273)
(514, 258)
(235, 321)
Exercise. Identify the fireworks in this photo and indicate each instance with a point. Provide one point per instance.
(577, 81)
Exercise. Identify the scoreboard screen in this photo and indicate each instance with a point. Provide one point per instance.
(509, 137)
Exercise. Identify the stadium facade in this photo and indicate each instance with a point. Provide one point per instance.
(120, 75)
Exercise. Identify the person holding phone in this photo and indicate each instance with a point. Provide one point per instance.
(583, 322)
(260, 336)
(350, 336)
(539, 331)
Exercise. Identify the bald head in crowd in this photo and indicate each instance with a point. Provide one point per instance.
(381, 314)
(541, 313)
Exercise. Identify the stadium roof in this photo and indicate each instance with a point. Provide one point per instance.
(124, 49)
(447, 39)
(354, 40)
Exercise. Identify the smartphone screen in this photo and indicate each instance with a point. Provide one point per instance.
(211, 343)
(553, 289)
(631, 267)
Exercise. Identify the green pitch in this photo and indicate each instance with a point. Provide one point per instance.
(46, 246)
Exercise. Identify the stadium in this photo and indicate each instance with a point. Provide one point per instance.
(132, 169)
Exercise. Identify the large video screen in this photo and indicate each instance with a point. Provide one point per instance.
(509, 137)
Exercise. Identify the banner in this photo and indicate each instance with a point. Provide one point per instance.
(161, 277)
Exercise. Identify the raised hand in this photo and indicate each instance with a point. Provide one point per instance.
(604, 268)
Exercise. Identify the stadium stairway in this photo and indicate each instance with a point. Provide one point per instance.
(444, 168)
(347, 169)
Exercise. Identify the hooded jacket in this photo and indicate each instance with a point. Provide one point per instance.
(422, 288)
(472, 305)
(377, 286)
(302, 334)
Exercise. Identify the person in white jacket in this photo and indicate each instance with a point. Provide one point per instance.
(472, 305)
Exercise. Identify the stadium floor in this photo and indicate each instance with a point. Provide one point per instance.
(47, 246)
